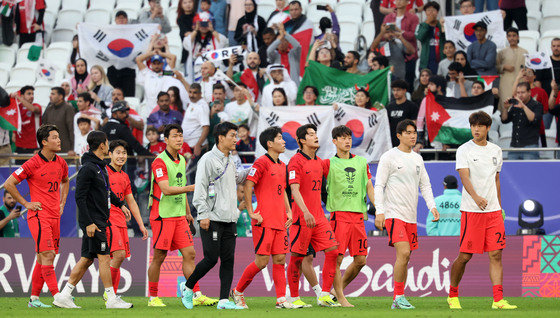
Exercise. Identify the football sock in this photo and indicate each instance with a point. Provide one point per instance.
(279, 278)
(453, 291)
(399, 290)
(37, 281)
(293, 275)
(68, 289)
(153, 287)
(50, 278)
(317, 289)
(110, 293)
(248, 274)
(498, 292)
(329, 270)
(115, 277)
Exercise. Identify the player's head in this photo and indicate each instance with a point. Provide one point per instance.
(152, 134)
(226, 135)
(480, 125)
(342, 138)
(97, 141)
(173, 136)
(84, 125)
(48, 137)
(271, 139)
(406, 132)
(117, 152)
(307, 136)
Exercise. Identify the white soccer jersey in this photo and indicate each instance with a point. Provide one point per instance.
(483, 163)
(399, 174)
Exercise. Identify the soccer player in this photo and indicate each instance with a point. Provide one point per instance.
(117, 232)
(479, 163)
(348, 184)
(170, 214)
(47, 177)
(271, 218)
(305, 176)
(399, 173)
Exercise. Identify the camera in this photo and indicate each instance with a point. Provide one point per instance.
(391, 27)
(204, 24)
(512, 101)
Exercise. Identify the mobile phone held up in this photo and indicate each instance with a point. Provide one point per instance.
(322, 7)
(167, 73)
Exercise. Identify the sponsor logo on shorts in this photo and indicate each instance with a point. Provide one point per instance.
(49, 243)
(103, 246)
(401, 234)
(469, 245)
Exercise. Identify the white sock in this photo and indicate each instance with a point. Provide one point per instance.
(110, 293)
(322, 294)
(68, 289)
(197, 294)
(223, 301)
(280, 300)
(317, 289)
(35, 297)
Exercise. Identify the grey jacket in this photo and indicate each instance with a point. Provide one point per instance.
(223, 206)
(293, 56)
(145, 17)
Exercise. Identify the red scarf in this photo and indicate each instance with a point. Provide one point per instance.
(285, 60)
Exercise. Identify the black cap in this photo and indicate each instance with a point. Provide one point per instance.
(450, 182)
(120, 106)
(121, 12)
(480, 24)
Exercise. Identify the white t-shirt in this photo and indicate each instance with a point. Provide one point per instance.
(398, 21)
(289, 87)
(92, 111)
(197, 115)
(399, 174)
(153, 84)
(80, 143)
(207, 88)
(483, 163)
(238, 114)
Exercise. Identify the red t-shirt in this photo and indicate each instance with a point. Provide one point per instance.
(30, 122)
(541, 96)
(120, 185)
(391, 4)
(159, 171)
(270, 182)
(44, 178)
(327, 166)
(137, 133)
(157, 148)
(308, 173)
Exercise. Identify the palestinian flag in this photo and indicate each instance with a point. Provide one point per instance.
(6, 7)
(9, 116)
(302, 30)
(447, 118)
(488, 80)
(279, 16)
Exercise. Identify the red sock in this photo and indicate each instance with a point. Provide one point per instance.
(279, 278)
(498, 291)
(50, 278)
(153, 287)
(37, 280)
(248, 274)
(293, 275)
(196, 288)
(453, 291)
(399, 289)
(115, 277)
(329, 270)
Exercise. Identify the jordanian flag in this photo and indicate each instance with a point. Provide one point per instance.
(6, 7)
(447, 118)
(9, 116)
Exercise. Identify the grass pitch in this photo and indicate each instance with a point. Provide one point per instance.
(261, 307)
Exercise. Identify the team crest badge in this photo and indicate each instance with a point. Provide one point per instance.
(417, 170)
(495, 161)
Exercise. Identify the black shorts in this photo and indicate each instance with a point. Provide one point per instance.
(96, 245)
(311, 251)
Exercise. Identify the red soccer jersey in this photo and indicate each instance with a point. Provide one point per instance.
(327, 166)
(391, 4)
(44, 178)
(120, 185)
(308, 173)
(157, 148)
(159, 171)
(185, 149)
(30, 122)
(270, 182)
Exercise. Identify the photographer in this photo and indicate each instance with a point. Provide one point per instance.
(9, 212)
(155, 15)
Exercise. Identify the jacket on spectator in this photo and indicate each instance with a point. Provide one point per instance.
(145, 17)
(423, 35)
(62, 115)
(290, 60)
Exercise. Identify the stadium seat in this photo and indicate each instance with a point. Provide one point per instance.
(172, 16)
(58, 56)
(62, 45)
(533, 5)
(264, 9)
(63, 35)
(139, 92)
(134, 4)
(13, 87)
(23, 73)
(177, 51)
(505, 141)
(505, 129)
(102, 4)
(69, 18)
(349, 28)
(4, 74)
(42, 93)
(133, 102)
(546, 39)
(80, 5)
(173, 37)
(53, 5)
(23, 51)
(49, 19)
(367, 13)
(550, 21)
(368, 31)
(533, 20)
(98, 16)
(346, 46)
(315, 15)
(529, 40)
(7, 56)
(493, 136)
(349, 8)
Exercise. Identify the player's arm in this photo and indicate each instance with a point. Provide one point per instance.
(10, 186)
(170, 190)
(64, 188)
(381, 177)
(248, 197)
(135, 211)
(467, 184)
(427, 193)
(288, 210)
(498, 186)
(370, 192)
(298, 199)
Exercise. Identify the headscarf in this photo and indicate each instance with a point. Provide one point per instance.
(251, 19)
(80, 78)
(467, 69)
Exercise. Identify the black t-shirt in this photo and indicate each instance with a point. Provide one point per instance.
(545, 76)
(398, 112)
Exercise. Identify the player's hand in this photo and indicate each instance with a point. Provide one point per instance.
(481, 202)
(126, 212)
(91, 229)
(61, 208)
(205, 224)
(257, 217)
(144, 232)
(189, 218)
(289, 220)
(380, 221)
(189, 188)
(309, 220)
(33, 206)
(435, 213)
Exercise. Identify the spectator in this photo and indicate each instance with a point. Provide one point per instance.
(379, 63)
(322, 52)
(490, 5)
(437, 85)
(268, 37)
(526, 114)
(431, 35)
(80, 138)
(239, 111)
(448, 205)
(196, 122)
(391, 43)
(99, 88)
(164, 116)
(236, 9)
(310, 95)
(125, 78)
(246, 143)
(528, 75)
(375, 6)
(74, 55)
(449, 51)
(217, 114)
(477, 88)
(204, 12)
(134, 121)
(482, 53)
(175, 102)
(326, 24)
(297, 18)
(61, 114)
(554, 108)
(209, 79)
(516, 11)
(508, 63)
(250, 27)
(5, 146)
(419, 94)
(185, 20)
(30, 113)
(218, 9)
(279, 13)
(7, 29)
(406, 21)
(279, 97)
(351, 61)
(244, 220)
(544, 77)
(467, 7)
(68, 95)
(286, 50)
(160, 45)
(86, 110)
(400, 108)
(80, 81)
(155, 15)
(279, 79)
(457, 86)
(362, 98)
(391, 6)
(461, 58)
(29, 24)
(9, 213)
(155, 145)
(252, 76)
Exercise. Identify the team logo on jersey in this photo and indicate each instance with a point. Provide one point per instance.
(495, 161)
(252, 171)
(418, 170)
(179, 178)
(19, 170)
(292, 174)
(350, 174)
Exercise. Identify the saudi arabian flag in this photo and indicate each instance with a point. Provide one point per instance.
(336, 86)
(447, 118)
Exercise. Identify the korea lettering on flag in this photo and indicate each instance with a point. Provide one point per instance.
(538, 61)
(290, 119)
(371, 135)
(114, 45)
(224, 54)
(459, 29)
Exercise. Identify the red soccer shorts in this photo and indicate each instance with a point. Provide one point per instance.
(482, 232)
(269, 241)
(45, 232)
(321, 237)
(118, 239)
(401, 231)
(171, 233)
(350, 232)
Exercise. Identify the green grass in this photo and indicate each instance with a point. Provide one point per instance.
(264, 308)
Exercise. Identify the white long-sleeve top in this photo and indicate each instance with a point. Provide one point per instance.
(399, 174)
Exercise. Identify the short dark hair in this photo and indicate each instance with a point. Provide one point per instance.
(463, 1)
(86, 97)
(356, 55)
(479, 83)
(555, 39)
(218, 86)
(432, 4)
(244, 126)
(302, 131)
(207, 1)
(59, 90)
(381, 60)
(160, 94)
(269, 31)
(6, 192)
(313, 88)
(449, 42)
(169, 128)
(341, 131)
(121, 13)
(525, 84)
(512, 29)
(117, 143)
(269, 134)
(399, 84)
(83, 120)
(480, 118)
(222, 129)
(241, 84)
(439, 81)
(26, 88)
(403, 124)
(283, 92)
(44, 131)
(95, 139)
(455, 66)
(295, 2)
(151, 128)
(196, 86)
